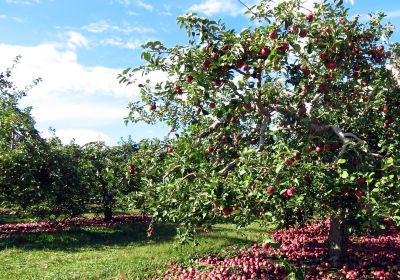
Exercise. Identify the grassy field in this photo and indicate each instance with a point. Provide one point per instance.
(102, 253)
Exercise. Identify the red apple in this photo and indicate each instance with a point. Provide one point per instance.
(293, 29)
(212, 104)
(289, 161)
(170, 150)
(197, 110)
(323, 56)
(302, 110)
(265, 246)
(247, 106)
(270, 190)
(189, 78)
(273, 35)
(289, 192)
(310, 17)
(284, 47)
(239, 63)
(226, 211)
(318, 149)
(303, 33)
(264, 52)
(385, 109)
(331, 65)
(178, 89)
(217, 83)
(359, 194)
(206, 63)
(361, 181)
(152, 106)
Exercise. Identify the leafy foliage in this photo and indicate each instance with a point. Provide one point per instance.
(288, 120)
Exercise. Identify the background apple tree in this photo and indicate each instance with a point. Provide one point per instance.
(293, 118)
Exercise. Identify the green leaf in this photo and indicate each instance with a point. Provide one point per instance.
(146, 56)
(344, 174)
(341, 161)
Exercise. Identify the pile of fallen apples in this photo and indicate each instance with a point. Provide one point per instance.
(68, 223)
(301, 249)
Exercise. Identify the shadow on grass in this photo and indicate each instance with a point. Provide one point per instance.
(103, 238)
(96, 238)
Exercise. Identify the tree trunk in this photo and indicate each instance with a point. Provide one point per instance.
(107, 214)
(337, 241)
(107, 202)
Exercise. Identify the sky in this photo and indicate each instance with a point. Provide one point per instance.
(78, 48)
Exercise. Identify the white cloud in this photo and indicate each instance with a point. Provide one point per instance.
(81, 136)
(145, 5)
(393, 14)
(16, 19)
(23, 2)
(212, 7)
(103, 26)
(97, 27)
(133, 44)
(234, 8)
(71, 95)
(61, 72)
(132, 13)
(113, 41)
(139, 3)
(75, 39)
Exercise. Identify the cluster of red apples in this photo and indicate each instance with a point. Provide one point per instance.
(369, 257)
(78, 222)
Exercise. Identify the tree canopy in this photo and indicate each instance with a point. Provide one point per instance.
(292, 118)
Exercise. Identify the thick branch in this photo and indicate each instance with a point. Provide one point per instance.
(211, 129)
(283, 111)
(170, 172)
(261, 107)
(227, 168)
(324, 128)
(344, 138)
(193, 174)
(263, 128)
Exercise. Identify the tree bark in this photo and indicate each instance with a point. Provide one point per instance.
(337, 241)
(107, 210)
(107, 214)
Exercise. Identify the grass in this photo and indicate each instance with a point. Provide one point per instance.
(103, 253)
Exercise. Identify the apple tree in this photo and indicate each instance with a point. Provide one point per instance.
(106, 175)
(293, 118)
(38, 177)
(23, 170)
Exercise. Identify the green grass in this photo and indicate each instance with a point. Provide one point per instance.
(120, 253)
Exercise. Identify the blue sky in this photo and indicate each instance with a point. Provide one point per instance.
(78, 47)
